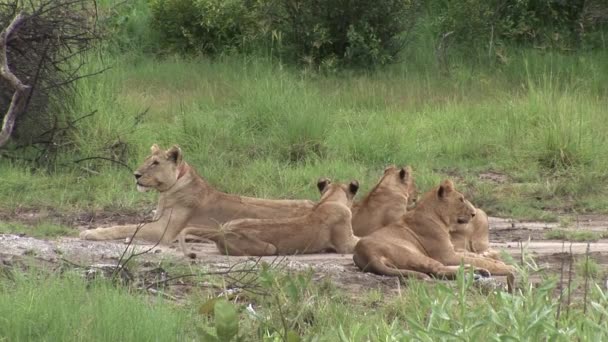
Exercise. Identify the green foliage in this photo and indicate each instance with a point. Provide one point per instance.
(339, 33)
(126, 26)
(202, 26)
(316, 33)
(485, 29)
(294, 307)
(226, 320)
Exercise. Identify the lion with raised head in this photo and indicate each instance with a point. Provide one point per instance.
(386, 202)
(418, 245)
(474, 236)
(187, 199)
(324, 228)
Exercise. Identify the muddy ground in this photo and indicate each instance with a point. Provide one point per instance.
(508, 235)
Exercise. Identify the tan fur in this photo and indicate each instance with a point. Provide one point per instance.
(473, 237)
(419, 244)
(324, 228)
(386, 202)
(187, 199)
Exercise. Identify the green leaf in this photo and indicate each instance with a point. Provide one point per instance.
(208, 307)
(293, 336)
(226, 320)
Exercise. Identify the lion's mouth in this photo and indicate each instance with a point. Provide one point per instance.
(462, 220)
(142, 188)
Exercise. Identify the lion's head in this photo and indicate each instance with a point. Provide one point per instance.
(448, 203)
(400, 180)
(337, 191)
(160, 170)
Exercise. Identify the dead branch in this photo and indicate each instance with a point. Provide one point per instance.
(21, 91)
(42, 55)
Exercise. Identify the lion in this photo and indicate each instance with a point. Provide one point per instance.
(324, 228)
(474, 236)
(187, 199)
(418, 245)
(386, 202)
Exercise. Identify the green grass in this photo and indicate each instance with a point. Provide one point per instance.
(39, 230)
(255, 129)
(575, 235)
(34, 306)
(37, 306)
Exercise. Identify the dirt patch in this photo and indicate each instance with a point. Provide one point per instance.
(505, 234)
(81, 220)
(495, 177)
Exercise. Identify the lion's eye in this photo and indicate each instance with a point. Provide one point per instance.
(155, 162)
(461, 199)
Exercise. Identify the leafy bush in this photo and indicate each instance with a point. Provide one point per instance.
(202, 26)
(314, 32)
(345, 32)
(476, 25)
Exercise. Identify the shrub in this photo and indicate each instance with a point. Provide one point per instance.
(344, 32)
(314, 32)
(481, 25)
(203, 26)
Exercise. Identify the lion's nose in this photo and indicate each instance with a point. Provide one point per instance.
(136, 174)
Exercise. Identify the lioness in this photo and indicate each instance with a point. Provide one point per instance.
(419, 244)
(473, 236)
(186, 198)
(386, 202)
(326, 227)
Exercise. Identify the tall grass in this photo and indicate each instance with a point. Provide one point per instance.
(37, 306)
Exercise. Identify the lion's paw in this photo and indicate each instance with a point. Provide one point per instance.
(87, 235)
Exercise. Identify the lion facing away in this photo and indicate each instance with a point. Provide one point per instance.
(386, 202)
(474, 236)
(187, 199)
(324, 228)
(418, 245)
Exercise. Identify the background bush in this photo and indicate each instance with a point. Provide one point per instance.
(486, 27)
(312, 32)
(203, 26)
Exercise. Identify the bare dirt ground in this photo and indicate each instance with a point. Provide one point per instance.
(509, 235)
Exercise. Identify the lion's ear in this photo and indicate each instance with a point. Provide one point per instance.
(389, 167)
(174, 154)
(154, 149)
(322, 183)
(445, 187)
(353, 187)
(403, 173)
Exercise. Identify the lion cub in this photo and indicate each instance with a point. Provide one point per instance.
(326, 227)
(386, 202)
(418, 245)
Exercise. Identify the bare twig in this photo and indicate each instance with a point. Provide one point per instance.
(560, 286)
(571, 257)
(103, 158)
(586, 278)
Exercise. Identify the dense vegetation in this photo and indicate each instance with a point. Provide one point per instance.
(526, 110)
(295, 308)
